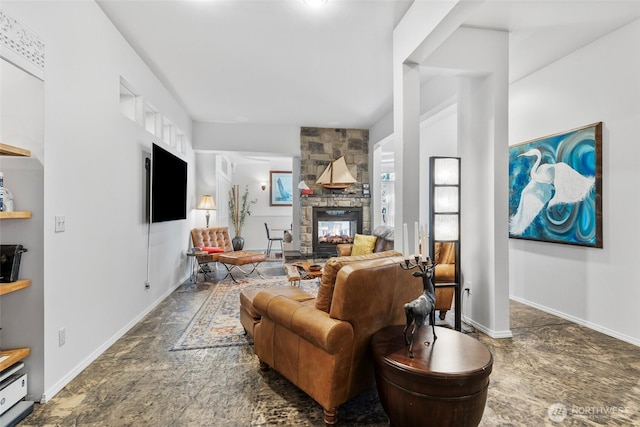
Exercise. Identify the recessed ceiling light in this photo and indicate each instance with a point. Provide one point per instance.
(315, 3)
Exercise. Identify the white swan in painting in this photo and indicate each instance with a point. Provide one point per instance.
(550, 184)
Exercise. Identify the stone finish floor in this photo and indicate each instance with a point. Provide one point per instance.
(140, 382)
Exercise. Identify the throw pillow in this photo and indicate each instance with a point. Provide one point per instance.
(212, 249)
(363, 245)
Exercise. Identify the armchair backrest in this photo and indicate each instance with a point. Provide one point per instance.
(212, 237)
(445, 258)
(330, 272)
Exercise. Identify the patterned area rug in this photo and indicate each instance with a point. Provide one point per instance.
(217, 322)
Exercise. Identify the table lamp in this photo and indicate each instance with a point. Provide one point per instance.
(206, 203)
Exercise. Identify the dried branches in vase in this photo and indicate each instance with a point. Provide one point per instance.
(239, 208)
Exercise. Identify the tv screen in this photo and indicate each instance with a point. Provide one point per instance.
(168, 186)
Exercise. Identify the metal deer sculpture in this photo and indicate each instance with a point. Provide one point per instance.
(423, 307)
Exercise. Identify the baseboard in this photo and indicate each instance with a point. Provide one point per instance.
(487, 331)
(582, 322)
(52, 391)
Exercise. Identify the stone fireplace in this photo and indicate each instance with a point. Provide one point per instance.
(318, 147)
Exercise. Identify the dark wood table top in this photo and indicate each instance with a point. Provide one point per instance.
(452, 354)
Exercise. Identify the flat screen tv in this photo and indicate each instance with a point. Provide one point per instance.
(168, 186)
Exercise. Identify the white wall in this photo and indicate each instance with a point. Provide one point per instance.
(94, 272)
(429, 35)
(248, 171)
(596, 287)
(251, 174)
(245, 137)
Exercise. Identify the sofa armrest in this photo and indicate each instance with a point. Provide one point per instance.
(344, 249)
(315, 326)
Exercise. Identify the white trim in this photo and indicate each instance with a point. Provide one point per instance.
(490, 332)
(52, 391)
(579, 321)
(21, 46)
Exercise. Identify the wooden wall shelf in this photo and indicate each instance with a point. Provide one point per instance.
(15, 215)
(10, 150)
(12, 356)
(6, 288)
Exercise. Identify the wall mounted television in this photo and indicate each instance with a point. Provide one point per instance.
(168, 186)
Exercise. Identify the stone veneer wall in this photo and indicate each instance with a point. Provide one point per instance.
(318, 146)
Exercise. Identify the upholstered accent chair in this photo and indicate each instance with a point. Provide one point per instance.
(323, 348)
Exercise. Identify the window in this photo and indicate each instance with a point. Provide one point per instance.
(151, 120)
(128, 101)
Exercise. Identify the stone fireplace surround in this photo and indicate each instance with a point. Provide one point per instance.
(318, 146)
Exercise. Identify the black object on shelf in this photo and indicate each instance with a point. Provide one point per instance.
(10, 262)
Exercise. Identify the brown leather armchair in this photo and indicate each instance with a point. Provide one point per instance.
(209, 239)
(212, 237)
(325, 351)
(445, 272)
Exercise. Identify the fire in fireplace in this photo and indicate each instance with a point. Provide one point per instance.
(332, 226)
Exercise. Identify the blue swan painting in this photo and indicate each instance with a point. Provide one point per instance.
(553, 188)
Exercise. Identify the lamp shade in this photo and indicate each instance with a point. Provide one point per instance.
(445, 228)
(206, 203)
(446, 171)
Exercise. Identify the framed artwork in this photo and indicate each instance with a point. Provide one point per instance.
(281, 188)
(555, 188)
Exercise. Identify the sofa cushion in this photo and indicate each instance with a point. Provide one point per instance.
(331, 269)
(363, 245)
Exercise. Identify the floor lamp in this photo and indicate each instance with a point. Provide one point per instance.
(444, 198)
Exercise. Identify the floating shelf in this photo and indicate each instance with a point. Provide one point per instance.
(12, 356)
(15, 215)
(10, 150)
(6, 288)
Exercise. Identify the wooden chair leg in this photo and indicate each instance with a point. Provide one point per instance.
(330, 416)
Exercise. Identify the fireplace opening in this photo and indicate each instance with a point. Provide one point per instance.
(333, 226)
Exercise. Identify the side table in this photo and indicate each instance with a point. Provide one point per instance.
(194, 271)
(445, 384)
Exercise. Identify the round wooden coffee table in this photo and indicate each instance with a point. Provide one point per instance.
(445, 384)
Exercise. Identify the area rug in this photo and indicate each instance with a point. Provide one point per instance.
(217, 322)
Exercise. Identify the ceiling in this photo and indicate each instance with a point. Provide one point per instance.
(285, 63)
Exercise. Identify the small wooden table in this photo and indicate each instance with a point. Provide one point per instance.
(445, 384)
(293, 274)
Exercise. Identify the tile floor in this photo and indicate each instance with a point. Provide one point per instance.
(140, 382)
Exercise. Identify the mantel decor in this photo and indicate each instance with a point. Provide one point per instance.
(555, 188)
(239, 208)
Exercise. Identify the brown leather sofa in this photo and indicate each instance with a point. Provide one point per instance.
(323, 347)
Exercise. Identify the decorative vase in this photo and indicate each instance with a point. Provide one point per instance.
(238, 243)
